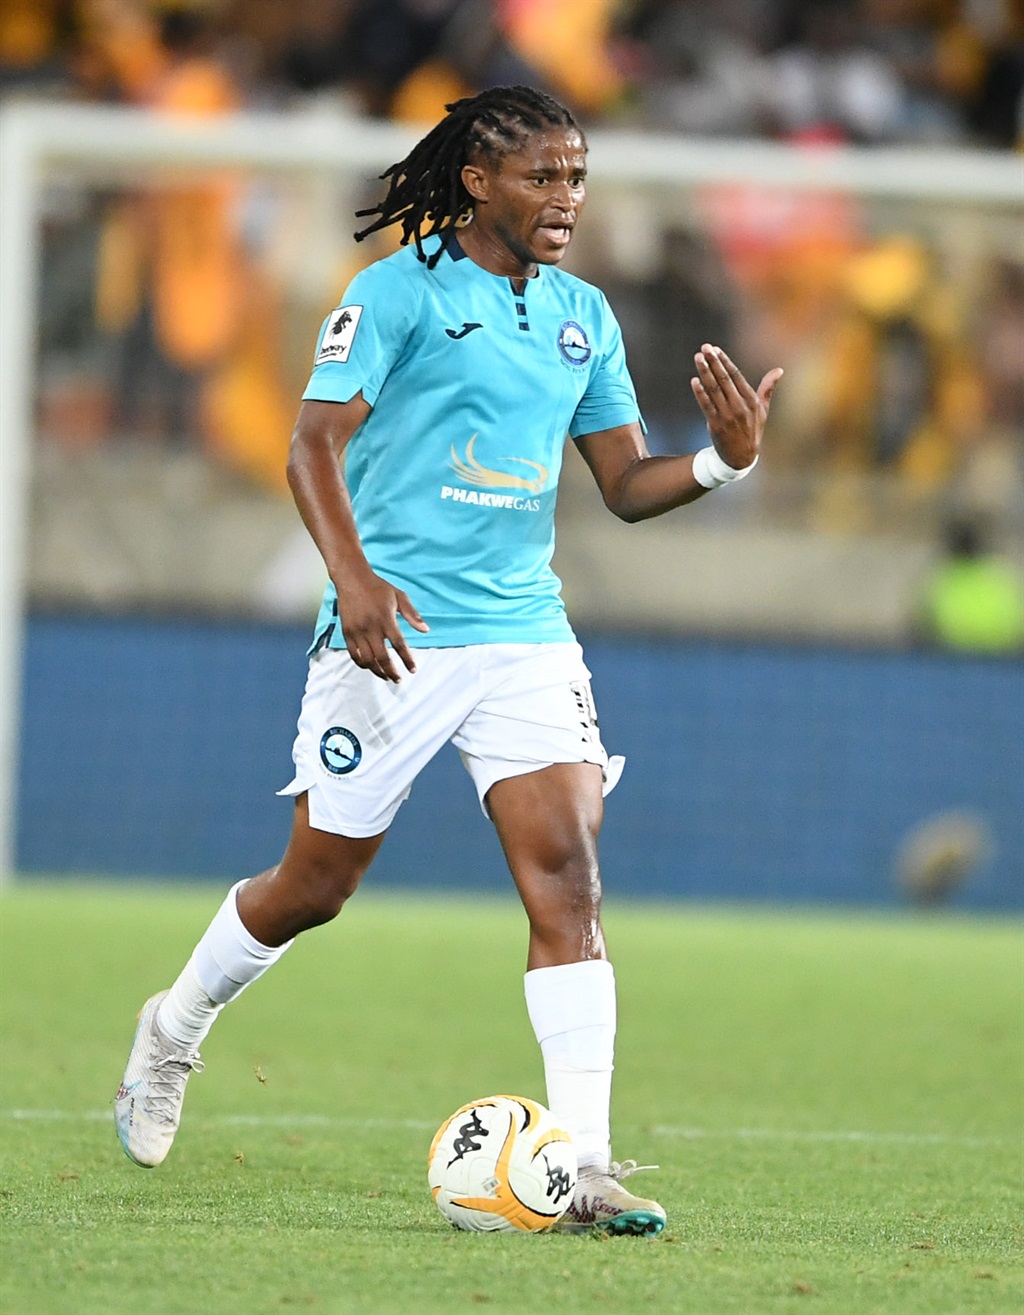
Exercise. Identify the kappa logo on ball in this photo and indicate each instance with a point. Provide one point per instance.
(339, 334)
(340, 751)
(502, 1164)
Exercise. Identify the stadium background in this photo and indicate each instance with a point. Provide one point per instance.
(800, 687)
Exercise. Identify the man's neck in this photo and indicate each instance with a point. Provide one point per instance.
(490, 253)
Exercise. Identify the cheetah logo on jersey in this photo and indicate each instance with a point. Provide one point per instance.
(573, 344)
(339, 334)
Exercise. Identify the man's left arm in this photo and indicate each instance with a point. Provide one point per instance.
(636, 486)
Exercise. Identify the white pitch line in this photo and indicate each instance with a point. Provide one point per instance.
(421, 1125)
(822, 1135)
(233, 1120)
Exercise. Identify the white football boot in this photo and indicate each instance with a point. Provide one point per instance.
(601, 1202)
(147, 1107)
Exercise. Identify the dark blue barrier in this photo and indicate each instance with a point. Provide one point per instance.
(754, 772)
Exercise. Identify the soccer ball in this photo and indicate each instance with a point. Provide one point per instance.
(502, 1164)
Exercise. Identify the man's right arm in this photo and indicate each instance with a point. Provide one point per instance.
(368, 606)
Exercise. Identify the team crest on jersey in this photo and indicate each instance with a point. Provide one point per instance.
(573, 344)
(339, 334)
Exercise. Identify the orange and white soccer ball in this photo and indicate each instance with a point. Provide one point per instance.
(502, 1164)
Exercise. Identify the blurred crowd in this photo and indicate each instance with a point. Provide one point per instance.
(183, 314)
(861, 70)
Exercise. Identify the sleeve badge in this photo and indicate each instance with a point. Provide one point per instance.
(339, 334)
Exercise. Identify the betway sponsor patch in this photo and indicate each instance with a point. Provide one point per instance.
(339, 334)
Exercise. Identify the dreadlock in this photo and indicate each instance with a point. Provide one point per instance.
(426, 194)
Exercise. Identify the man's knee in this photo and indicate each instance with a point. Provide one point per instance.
(318, 874)
(564, 891)
(320, 884)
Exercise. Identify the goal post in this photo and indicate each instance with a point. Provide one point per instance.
(110, 144)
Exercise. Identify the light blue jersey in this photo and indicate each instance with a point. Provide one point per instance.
(454, 473)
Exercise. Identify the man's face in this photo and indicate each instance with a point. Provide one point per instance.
(530, 200)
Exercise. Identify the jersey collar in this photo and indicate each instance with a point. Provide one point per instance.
(456, 253)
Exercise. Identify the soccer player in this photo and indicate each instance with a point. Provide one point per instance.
(448, 378)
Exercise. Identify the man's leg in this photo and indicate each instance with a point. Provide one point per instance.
(548, 822)
(253, 927)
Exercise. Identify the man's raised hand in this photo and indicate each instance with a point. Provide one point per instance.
(735, 412)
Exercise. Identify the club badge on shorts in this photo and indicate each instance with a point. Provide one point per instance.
(340, 751)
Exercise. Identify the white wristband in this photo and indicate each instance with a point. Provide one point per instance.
(710, 471)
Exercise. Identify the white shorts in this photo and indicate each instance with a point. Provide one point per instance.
(508, 708)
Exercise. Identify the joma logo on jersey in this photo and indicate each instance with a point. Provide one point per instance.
(470, 471)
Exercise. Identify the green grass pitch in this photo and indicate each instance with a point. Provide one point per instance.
(835, 1103)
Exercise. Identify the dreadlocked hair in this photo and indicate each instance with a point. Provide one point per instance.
(426, 194)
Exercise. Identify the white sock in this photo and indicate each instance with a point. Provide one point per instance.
(186, 1012)
(222, 965)
(572, 1009)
